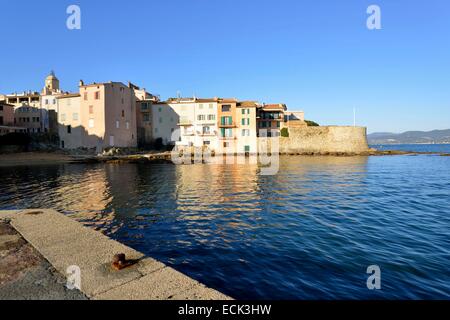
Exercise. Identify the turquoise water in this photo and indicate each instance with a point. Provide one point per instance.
(308, 232)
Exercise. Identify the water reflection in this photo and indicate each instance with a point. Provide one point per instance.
(319, 220)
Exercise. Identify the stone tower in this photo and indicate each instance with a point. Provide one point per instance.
(52, 82)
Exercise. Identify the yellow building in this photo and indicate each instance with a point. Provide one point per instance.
(246, 131)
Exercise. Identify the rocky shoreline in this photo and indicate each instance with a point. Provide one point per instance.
(51, 158)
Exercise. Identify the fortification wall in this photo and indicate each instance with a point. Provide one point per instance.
(329, 139)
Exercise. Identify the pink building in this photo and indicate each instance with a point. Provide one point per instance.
(108, 114)
(6, 114)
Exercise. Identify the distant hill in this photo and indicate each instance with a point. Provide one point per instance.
(410, 137)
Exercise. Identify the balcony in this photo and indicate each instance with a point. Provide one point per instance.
(262, 117)
(184, 123)
(210, 122)
(227, 125)
(207, 134)
(227, 138)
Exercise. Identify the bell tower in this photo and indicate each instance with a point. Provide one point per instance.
(52, 82)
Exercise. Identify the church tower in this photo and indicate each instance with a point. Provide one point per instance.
(52, 82)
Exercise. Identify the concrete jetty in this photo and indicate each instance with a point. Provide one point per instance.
(64, 242)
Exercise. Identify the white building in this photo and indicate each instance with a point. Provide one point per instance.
(70, 128)
(189, 122)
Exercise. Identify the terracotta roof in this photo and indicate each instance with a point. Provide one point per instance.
(247, 104)
(227, 100)
(278, 106)
(70, 95)
(201, 100)
(206, 99)
(103, 84)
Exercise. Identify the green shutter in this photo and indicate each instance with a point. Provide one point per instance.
(222, 132)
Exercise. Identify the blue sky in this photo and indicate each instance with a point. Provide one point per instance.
(313, 55)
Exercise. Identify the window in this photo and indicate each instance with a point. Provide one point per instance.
(144, 106)
(226, 120)
(91, 109)
(248, 121)
(248, 111)
(226, 108)
(160, 120)
(206, 143)
(243, 120)
(117, 124)
(123, 113)
(245, 132)
(1, 121)
(75, 117)
(1, 108)
(226, 132)
(146, 117)
(201, 117)
(226, 144)
(206, 130)
(69, 129)
(211, 117)
(210, 106)
(46, 101)
(200, 105)
(54, 101)
(127, 125)
(243, 111)
(91, 123)
(97, 95)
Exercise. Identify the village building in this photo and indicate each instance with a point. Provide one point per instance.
(108, 114)
(246, 120)
(7, 119)
(144, 116)
(70, 129)
(270, 119)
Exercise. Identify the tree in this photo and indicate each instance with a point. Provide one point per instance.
(285, 132)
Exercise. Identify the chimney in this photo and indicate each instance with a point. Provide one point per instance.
(81, 83)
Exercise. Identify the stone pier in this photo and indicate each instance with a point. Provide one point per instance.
(63, 242)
